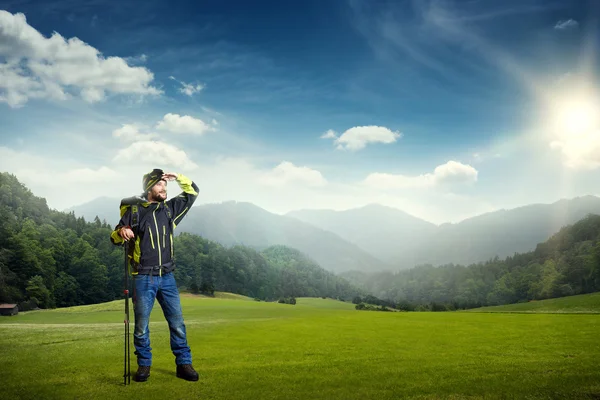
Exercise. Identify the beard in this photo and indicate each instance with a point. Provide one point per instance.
(159, 195)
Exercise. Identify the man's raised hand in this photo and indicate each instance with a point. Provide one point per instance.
(169, 176)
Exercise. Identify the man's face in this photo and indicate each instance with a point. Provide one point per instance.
(159, 191)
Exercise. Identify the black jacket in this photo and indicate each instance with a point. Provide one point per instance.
(153, 225)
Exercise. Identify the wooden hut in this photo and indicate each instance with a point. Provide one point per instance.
(9, 309)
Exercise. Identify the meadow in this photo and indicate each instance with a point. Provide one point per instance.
(579, 304)
(316, 349)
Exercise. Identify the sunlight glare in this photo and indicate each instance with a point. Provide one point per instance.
(577, 117)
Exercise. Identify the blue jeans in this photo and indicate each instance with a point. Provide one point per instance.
(164, 289)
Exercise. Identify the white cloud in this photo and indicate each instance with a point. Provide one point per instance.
(156, 153)
(57, 173)
(330, 134)
(566, 24)
(454, 173)
(36, 67)
(185, 124)
(16, 88)
(448, 174)
(131, 133)
(286, 172)
(86, 175)
(134, 60)
(188, 88)
(239, 179)
(358, 137)
(65, 183)
(580, 152)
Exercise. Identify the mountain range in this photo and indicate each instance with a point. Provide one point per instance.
(373, 237)
(404, 241)
(232, 223)
(383, 231)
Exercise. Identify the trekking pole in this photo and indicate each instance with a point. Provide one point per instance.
(127, 360)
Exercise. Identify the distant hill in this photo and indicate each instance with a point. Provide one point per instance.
(232, 223)
(53, 259)
(404, 241)
(564, 265)
(502, 233)
(105, 208)
(375, 237)
(383, 231)
(578, 304)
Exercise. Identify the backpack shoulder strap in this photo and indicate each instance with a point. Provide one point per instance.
(135, 213)
(134, 204)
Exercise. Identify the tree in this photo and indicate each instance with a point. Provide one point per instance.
(65, 290)
(90, 273)
(550, 279)
(37, 290)
(502, 293)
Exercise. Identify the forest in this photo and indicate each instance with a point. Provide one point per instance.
(54, 259)
(568, 263)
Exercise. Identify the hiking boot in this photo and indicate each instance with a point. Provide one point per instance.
(142, 374)
(187, 372)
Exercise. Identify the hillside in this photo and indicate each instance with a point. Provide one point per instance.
(232, 223)
(386, 232)
(566, 264)
(579, 304)
(375, 237)
(502, 233)
(405, 241)
(54, 259)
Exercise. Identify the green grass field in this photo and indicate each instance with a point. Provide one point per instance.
(580, 304)
(317, 349)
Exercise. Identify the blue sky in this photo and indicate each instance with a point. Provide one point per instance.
(445, 109)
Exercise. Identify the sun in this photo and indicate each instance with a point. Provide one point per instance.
(577, 116)
(574, 125)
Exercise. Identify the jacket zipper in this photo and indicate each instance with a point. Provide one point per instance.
(164, 235)
(158, 236)
(151, 239)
